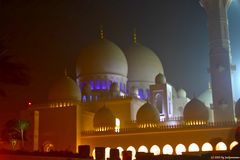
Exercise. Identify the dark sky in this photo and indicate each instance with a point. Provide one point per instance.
(48, 35)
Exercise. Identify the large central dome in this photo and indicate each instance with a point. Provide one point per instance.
(143, 64)
(143, 67)
(102, 57)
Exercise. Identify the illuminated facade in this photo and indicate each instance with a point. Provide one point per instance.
(122, 100)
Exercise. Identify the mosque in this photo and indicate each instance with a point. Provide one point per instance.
(121, 99)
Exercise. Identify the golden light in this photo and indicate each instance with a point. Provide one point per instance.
(233, 144)
(143, 149)
(155, 150)
(120, 151)
(167, 149)
(179, 149)
(117, 125)
(207, 147)
(107, 152)
(93, 154)
(131, 148)
(221, 146)
(193, 148)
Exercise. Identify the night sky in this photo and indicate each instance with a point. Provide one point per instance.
(48, 35)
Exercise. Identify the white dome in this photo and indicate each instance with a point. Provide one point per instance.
(206, 97)
(195, 110)
(104, 118)
(143, 64)
(64, 89)
(160, 79)
(182, 93)
(148, 114)
(102, 57)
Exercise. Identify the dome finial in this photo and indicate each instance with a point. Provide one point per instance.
(101, 33)
(134, 36)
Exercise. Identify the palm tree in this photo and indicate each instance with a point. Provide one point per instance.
(9, 133)
(21, 126)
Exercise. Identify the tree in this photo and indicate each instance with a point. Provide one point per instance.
(15, 130)
(21, 126)
(10, 134)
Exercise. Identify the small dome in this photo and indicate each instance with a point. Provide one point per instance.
(147, 114)
(195, 110)
(104, 118)
(86, 89)
(160, 79)
(143, 64)
(206, 97)
(102, 57)
(237, 109)
(64, 89)
(182, 93)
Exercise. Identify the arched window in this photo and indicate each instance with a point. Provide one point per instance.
(141, 93)
(91, 84)
(147, 93)
(179, 149)
(120, 151)
(131, 148)
(155, 150)
(167, 149)
(97, 85)
(207, 147)
(93, 154)
(121, 87)
(109, 84)
(117, 125)
(221, 146)
(104, 84)
(159, 102)
(84, 98)
(233, 144)
(193, 147)
(143, 149)
(107, 152)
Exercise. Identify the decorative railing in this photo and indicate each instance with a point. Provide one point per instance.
(164, 128)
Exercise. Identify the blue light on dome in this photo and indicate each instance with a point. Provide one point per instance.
(104, 85)
(141, 93)
(98, 86)
(91, 84)
(121, 87)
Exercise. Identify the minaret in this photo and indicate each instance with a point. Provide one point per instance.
(220, 58)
